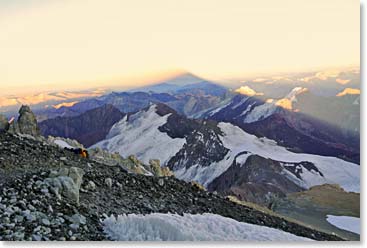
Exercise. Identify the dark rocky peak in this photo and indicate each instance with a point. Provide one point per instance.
(203, 144)
(179, 126)
(260, 179)
(88, 128)
(163, 109)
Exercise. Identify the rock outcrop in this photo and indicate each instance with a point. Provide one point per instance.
(3, 123)
(27, 122)
(259, 179)
(131, 164)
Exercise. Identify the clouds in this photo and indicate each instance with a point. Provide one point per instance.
(342, 81)
(349, 91)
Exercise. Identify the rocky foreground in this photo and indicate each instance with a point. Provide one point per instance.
(47, 193)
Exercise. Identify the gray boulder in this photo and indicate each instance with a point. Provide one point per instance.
(66, 182)
(108, 182)
(91, 186)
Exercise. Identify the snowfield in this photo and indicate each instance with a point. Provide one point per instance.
(352, 224)
(140, 136)
(204, 227)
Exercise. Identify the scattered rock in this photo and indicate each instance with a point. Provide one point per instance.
(36, 237)
(91, 186)
(45, 222)
(161, 182)
(108, 182)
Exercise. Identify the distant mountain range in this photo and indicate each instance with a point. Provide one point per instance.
(191, 95)
(300, 120)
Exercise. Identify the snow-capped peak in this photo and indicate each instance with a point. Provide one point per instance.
(349, 91)
(287, 102)
(270, 106)
(245, 90)
(139, 135)
(296, 91)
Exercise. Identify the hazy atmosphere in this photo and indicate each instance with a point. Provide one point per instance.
(75, 44)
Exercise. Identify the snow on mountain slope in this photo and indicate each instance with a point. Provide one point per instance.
(139, 135)
(333, 170)
(269, 107)
(189, 227)
(204, 150)
(260, 112)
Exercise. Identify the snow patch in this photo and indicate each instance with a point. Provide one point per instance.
(63, 144)
(246, 110)
(200, 227)
(352, 224)
(243, 100)
(219, 108)
(260, 112)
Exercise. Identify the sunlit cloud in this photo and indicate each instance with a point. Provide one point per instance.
(342, 81)
(349, 91)
(245, 90)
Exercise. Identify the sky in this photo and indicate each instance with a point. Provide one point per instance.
(74, 44)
